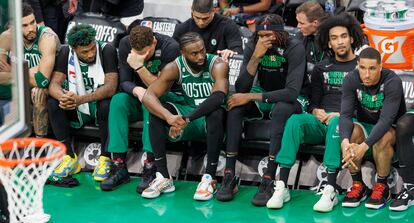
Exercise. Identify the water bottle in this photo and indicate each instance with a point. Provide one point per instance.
(330, 6)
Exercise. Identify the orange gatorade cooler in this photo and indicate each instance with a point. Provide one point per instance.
(393, 39)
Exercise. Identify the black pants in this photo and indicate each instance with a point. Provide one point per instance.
(405, 147)
(215, 134)
(60, 121)
(280, 114)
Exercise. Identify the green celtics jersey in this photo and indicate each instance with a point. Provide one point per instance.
(86, 79)
(32, 54)
(196, 87)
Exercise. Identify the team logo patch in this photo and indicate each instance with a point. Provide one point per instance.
(92, 153)
(213, 42)
(146, 24)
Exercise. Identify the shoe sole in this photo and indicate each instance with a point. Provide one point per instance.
(326, 210)
(202, 198)
(354, 204)
(270, 206)
(378, 206)
(402, 207)
(228, 198)
(150, 196)
(103, 188)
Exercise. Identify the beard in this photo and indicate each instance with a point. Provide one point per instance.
(88, 62)
(30, 37)
(195, 66)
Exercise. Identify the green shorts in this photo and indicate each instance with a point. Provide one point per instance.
(82, 118)
(264, 110)
(367, 128)
(196, 130)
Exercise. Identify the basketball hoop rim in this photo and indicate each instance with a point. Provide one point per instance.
(23, 143)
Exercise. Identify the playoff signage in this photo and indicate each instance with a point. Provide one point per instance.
(108, 29)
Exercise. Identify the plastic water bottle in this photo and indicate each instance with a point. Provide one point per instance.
(330, 6)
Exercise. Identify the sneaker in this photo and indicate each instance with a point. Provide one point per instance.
(206, 188)
(228, 188)
(264, 193)
(118, 175)
(101, 171)
(379, 197)
(68, 166)
(158, 185)
(327, 201)
(403, 201)
(358, 192)
(148, 175)
(280, 196)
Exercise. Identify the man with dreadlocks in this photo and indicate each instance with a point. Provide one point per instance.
(341, 35)
(279, 62)
(199, 116)
(84, 79)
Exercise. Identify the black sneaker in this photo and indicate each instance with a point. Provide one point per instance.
(148, 175)
(228, 188)
(379, 197)
(264, 193)
(403, 201)
(359, 192)
(117, 176)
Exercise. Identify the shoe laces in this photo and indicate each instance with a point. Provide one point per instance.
(377, 191)
(227, 180)
(355, 190)
(320, 188)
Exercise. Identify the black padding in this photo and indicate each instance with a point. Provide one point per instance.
(257, 130)
(108, 29)
(160, 25)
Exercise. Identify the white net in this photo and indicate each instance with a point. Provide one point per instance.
(24, 169)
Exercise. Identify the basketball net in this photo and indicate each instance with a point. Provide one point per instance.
(25, 165)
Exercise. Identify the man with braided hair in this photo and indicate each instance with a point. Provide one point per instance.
(279, 63)
(41, 45)
(198, 116)
(340, 35)
(84, 79)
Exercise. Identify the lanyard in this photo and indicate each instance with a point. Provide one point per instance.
(313, 54)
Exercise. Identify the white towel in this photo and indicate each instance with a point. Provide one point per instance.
(75, 79)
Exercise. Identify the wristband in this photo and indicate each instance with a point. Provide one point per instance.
(139, 68)
(241, 10)
(41, 80)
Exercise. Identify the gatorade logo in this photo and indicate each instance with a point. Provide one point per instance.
(390, 48)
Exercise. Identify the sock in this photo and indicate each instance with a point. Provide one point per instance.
(150, 157)
(284, 175)
(231, 158)
(105, 153)
(161, 165)
(357, 177)
(271, 168)
(119, 157)
(332, 178)
(382, 180)
(69, 150)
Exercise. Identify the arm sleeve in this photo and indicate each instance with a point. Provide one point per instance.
(316, 89)
(392, 93)
(61, 61)
(233, 37)
(296, 72)
(212, 103)
(348, 101)
(126, 73)
(244, 81)
(109, 59)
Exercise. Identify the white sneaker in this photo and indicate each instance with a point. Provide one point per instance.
(280, 196)
(158, 185)
(206, 188)
(327, 201)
